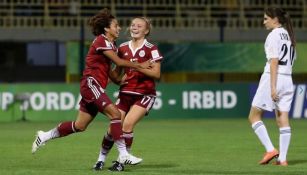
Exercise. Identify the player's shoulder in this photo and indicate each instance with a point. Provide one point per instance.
(101, 42)
(277, 31)
(149, 45)
(273, 35)
(101, 39)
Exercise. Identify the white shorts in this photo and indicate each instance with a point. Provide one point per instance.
(285, 90)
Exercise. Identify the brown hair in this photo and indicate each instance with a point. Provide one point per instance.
(284, 19)
(100, 21)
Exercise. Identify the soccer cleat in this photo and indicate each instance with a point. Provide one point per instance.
(284, 163)
(129, 159)
(98, 166)
(268, 156)
(38, 142)
(117, 166)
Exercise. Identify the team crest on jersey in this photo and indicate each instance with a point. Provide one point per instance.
(142, 53)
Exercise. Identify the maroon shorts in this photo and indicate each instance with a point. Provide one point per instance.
(125, 101)
(94, 98)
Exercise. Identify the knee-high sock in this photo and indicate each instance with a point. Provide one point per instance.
(284, 142)
(117, 134)
(263, 135)
(66, 128)
(116, 129)
(63, 129)
(128, 139)
(106, 146)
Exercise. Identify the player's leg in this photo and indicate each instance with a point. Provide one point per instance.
(284, 136)
(137, 111)
(115, 126)
(108, 141)
(283, 105)
(140, 107)
(104, 105)
(63, 129)
(116, 131)
(106, 146)
(263, 101)
(113, 135)
(135, 114)
(260, 130)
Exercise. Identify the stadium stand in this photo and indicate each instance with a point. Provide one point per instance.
(174, 14)
(177, 21)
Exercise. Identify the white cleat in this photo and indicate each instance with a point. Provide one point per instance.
(38, 142)
(129, 159)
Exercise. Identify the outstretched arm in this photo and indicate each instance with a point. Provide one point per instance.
(154, 71)
(123, 63)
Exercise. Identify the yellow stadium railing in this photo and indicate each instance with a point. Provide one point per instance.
(169, 14)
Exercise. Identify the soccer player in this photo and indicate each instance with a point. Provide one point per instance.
(275, 90)
(137, 87)
(101, 54)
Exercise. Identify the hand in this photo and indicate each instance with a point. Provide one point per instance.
(146, 65)
(123, 80)
(274, 95)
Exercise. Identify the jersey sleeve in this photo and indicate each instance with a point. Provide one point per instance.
(101, 44)
(271, 46)
(155, 54)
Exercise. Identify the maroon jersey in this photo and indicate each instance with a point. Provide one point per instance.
(97, 64)
(138, 83)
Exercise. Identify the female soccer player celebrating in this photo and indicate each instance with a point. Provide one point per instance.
(275, 90)
(137, 90)
(101, 54)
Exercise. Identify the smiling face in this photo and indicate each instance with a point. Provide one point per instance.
(113, 30)
(270, 23)
(138, 28)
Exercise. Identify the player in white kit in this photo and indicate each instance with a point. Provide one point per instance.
(275, 90)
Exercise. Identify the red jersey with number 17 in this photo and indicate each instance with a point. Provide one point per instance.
(97, 65)
(136, 82)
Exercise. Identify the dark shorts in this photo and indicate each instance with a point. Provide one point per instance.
(125, 101)
(94, 99)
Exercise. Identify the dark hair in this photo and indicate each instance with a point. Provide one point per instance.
(100, 21)
(284, 19)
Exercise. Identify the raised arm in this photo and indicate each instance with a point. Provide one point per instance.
(123, 63)
(154, 71)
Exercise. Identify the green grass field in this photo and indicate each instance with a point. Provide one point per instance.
(212, 146)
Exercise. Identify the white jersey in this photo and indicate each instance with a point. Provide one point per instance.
(278, 45)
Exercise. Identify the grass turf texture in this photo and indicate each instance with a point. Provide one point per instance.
(211, 146)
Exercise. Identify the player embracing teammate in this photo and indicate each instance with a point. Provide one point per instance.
(101, 54)
(137, 87)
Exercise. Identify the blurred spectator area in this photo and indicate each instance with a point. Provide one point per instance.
(32, 61)
(28, 27)
(173, 14)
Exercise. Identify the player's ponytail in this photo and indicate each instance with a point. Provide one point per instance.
(284, 19)
(289, 27)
